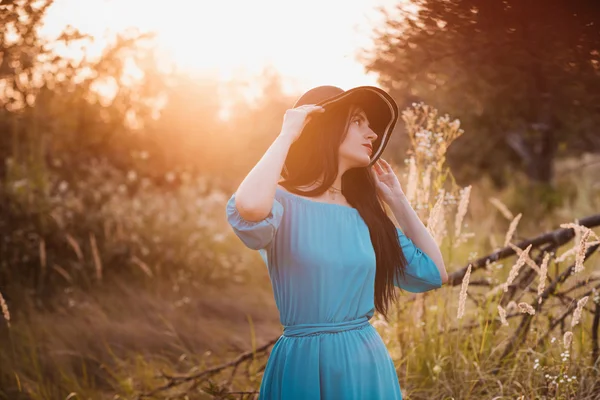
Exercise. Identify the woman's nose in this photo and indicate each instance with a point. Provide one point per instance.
(372, 135)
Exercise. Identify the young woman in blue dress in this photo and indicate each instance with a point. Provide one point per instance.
(332, 252)
(329, 149)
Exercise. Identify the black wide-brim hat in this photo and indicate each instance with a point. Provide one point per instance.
(380, 107)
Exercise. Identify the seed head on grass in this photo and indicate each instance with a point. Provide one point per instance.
(515, 269)
(425, 185)
(463, 293)
(526, 257)
(96, 257)
(5, 312)
(579, 230)
(511, 229)
(581, 249)
(435, 223)
(502, 313)
(413, 178)
(462, 209)
(582, 235)
(578, 310)
(543, 275)
(502, 208)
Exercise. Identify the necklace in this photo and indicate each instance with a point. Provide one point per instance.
(333, 191)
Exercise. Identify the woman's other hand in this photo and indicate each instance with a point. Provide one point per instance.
(386, 181)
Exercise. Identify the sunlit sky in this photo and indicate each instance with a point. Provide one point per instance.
(309, 42)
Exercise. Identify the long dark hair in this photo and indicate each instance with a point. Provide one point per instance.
(316, 152)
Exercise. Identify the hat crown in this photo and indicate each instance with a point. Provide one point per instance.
(318, 94)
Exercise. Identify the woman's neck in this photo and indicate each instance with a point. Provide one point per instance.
(333, 192)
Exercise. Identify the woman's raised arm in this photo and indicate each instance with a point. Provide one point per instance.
(255, 195)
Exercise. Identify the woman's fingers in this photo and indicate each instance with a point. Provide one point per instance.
(386, 165)
(377, 167)
(374, 174)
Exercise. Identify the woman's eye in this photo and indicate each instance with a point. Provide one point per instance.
(357, 120)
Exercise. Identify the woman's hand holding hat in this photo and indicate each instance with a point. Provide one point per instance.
(296, 118)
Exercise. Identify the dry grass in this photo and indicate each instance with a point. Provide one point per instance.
(116, 338)
(112, 341)
(460, 359)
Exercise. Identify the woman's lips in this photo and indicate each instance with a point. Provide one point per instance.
(368, 147)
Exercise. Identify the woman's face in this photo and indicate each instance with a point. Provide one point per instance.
(354, 150)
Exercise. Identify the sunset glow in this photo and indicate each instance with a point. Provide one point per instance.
(309, 43)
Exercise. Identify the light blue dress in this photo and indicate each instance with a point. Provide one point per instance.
(321, 263)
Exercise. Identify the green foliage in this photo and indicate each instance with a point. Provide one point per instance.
(523, 78)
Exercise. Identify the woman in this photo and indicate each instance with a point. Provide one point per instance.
(332, 252)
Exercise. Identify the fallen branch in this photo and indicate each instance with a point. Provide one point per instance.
(570, 309)
(176, 380)
(554, 238)
(523, 328)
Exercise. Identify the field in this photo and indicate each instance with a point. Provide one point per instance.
(146, 292)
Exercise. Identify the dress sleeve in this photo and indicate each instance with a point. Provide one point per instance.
(255, 234)
(421, 273)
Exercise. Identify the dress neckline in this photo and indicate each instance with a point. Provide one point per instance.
(319, 203)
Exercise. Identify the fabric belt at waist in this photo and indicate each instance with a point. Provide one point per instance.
(328, 327)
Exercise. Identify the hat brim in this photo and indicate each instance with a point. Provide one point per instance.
(381, 110)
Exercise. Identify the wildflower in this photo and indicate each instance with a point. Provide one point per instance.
(526, 308)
